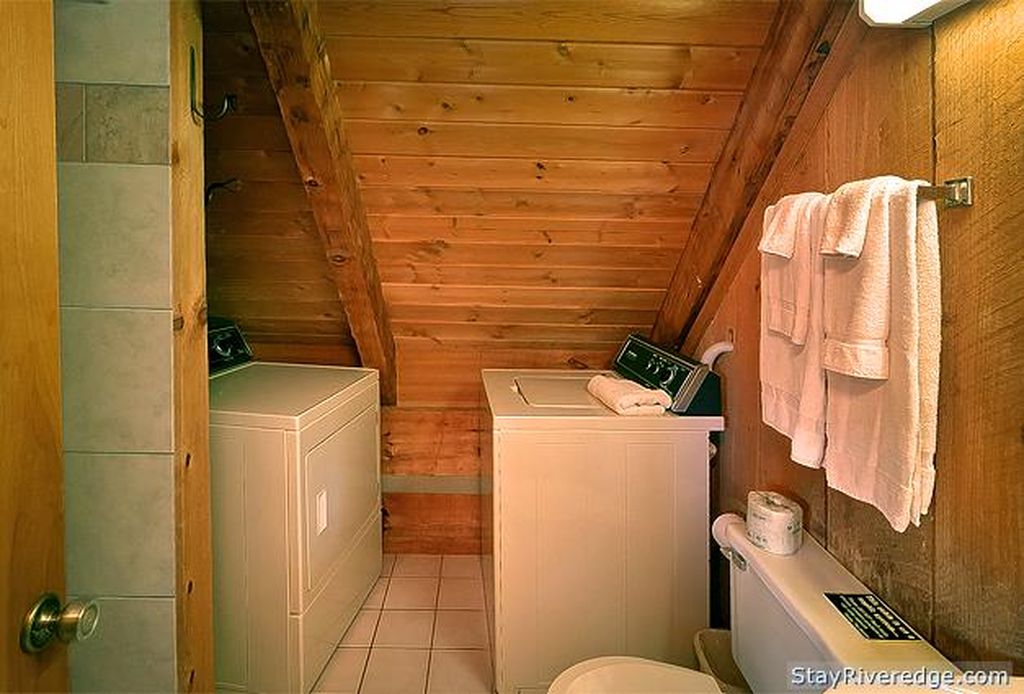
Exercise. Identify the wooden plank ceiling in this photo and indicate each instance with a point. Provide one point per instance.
(530, 169)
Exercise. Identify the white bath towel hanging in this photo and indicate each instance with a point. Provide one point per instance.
(856, 243)
(929, 293)
(792, 379)
(786, 264)
(882, 315)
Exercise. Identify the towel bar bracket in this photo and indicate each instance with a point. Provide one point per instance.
(955, 192)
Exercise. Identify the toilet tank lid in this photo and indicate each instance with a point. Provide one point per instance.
(799, 583)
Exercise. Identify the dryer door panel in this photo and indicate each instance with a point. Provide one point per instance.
(341, 489)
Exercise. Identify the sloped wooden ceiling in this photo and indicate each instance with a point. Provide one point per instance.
(530, 170)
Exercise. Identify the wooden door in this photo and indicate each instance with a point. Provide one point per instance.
(31, 496)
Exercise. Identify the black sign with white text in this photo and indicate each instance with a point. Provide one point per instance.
(871, 617)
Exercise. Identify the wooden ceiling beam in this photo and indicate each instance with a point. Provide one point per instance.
(841, 56)
(293, 50)
(809, 49)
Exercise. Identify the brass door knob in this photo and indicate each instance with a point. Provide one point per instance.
(48, 619)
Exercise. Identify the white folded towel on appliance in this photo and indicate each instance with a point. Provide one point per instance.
(882, 340)
(786, 264)
(626, 397)
(792, 379)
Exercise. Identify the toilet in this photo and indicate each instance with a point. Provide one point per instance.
(795, 619)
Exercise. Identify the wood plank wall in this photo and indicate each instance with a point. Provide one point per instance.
(530, 170)
(959, 577)
(266, 263)
(979, 521)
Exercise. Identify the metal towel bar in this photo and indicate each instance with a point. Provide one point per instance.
(956, 192)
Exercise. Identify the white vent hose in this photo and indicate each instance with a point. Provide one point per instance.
(713, 352)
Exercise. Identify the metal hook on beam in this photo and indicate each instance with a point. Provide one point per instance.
(230, 185)
(230, 102)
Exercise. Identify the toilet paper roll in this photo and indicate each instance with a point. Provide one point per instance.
(774, 522)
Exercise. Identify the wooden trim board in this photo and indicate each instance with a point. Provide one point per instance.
(192, 530)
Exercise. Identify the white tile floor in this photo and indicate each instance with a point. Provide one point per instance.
(422, 630)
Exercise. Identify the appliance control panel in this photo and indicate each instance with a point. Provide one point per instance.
(225, 345)
(652, 369)
(646, 363)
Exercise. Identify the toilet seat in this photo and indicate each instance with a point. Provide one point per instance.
(626, 675)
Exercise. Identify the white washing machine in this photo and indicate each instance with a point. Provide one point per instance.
(295, 482)
(595, 528)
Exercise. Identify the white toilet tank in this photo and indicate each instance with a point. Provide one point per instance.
(788, 623)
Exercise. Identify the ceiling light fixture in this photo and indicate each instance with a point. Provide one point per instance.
(906, 13)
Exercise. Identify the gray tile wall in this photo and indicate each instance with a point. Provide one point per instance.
(112, 123)
(126, 124)
(128, 653)
(141, 562)
(116, 335)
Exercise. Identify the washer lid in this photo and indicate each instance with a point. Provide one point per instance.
(550, 399)
(556, 390)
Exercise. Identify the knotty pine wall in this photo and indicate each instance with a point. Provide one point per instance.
(959, 578)
(266, 265)
(530, 170)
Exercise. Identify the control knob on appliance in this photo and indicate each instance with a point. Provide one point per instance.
(668, 374)
(222, 346)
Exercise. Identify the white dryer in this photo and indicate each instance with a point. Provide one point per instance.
(595, 528)
(295, 482)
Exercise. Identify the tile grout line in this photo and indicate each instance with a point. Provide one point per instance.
(433, 629)
(373, 638)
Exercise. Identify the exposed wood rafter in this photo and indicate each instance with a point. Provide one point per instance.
(843, 51)
(293, 50)
(809, 49)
